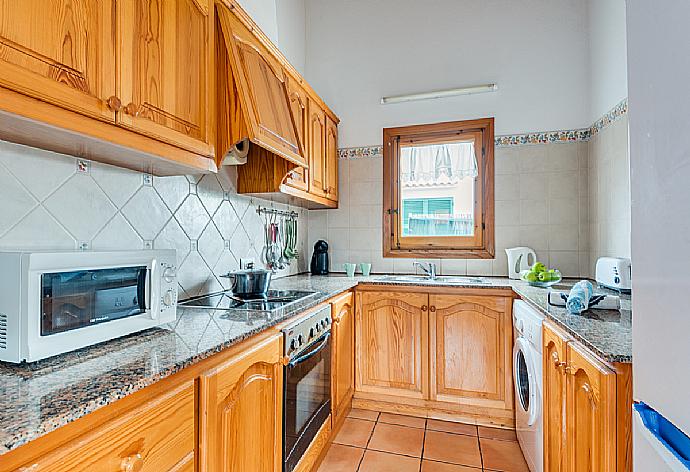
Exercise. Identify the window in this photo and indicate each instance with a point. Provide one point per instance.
(438, 190)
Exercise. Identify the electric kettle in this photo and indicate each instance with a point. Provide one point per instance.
(519, 260)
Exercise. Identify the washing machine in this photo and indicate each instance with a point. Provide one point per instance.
(528, 380)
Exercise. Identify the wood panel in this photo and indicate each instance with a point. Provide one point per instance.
(61, 52)
(157, 436)
(331, 159)
(343, 362)
(299, 177)
(165, 76)
(241, 411)
(317, 150)
(471, 341)
(262, 90)
(554, 363)
(392, 343)
(590, 413)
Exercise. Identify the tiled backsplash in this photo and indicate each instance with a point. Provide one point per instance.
(52, 201)
(541, 202)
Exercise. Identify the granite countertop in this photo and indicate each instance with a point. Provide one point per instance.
(40, 397)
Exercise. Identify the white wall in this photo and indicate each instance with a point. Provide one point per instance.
(264, 14)
(536, 50)
(658, 78)
(607, 54)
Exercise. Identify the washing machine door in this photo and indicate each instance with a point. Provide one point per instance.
(524, 375)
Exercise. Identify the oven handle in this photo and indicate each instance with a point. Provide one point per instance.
(302, 358)
(141, 288)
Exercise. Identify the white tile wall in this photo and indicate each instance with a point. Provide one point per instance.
(48, 204)
(609, 192)
(541, 202)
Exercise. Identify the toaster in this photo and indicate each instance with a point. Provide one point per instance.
(614, 273)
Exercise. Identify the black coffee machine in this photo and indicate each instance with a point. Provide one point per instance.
(319, 259)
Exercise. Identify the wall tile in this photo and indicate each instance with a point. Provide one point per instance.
(41, 172)
(507, 213)
(146, 212)
(210, 193)
(173, 237)
(173, 190)
(38, 230)
(118, 234)
(533, 212)
(211, 244)
(17, 202)
(226, 220)
(118, 184)
(192, 216)
(564, 211)
(507, 187)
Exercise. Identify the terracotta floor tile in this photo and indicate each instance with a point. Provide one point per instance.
(497, 433)
(402, 420)
(363, 414)
(449, 427)
(355, 432)
(341, 458)
(383, 462)
(453, 448)
(397, 439)
(431, 466)
(505, 456)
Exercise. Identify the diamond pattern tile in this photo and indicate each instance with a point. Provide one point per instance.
(81, 206)
(118, 184)
(226, 220)
(39, 230)
(118, 234)
(226, 263)
(146, 212)
(193, 274)
(211, 244)
(40, 171)
(173, 190)
(210, 192)
(16, 201)
(241, 244)
(192, 216)
(173, 237)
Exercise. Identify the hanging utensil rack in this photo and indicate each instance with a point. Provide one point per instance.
(273, 211)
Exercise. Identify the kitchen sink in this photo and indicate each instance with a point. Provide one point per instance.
(440, 279)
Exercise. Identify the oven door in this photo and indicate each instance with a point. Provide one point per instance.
(306, 399)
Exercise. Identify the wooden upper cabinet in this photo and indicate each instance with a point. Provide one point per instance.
(318, 184)
(471, 339)
(260, 81)
(590, 413)
(554, 363)
(331, 159)
(298, 178)
(164, 70)
(392, 343)
(343, 370)
(61, 52)
(241, 405)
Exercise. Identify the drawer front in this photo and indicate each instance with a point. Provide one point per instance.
(157, 436)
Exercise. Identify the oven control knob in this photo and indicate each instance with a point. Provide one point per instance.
(311, 333)
(169, 274)
(300, 340)
(293, 345)
(324, 323)
(169, 298)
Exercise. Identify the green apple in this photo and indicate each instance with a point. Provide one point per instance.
(531, 277)
(544, 277)
(538, 267)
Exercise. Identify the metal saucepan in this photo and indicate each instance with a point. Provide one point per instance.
(250, 283)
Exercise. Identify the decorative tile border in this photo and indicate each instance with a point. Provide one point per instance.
(546, 137)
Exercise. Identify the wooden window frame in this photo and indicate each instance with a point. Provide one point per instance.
(479, 246)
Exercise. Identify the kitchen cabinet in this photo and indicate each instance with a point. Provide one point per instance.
(317, 150)
(331, 159)
(110, 81)
(587, 425)
(164, 82)
(343, 361)
(241, 404)
(471, 350)
(298, 177)
(435, 352)
(391, 343)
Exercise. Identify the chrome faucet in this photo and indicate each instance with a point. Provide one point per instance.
(430, 271)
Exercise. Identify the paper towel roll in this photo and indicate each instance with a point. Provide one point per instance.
(237, 154)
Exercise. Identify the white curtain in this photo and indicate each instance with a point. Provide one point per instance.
(437, 164)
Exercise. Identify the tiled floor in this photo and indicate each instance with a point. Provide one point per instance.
(383, 442)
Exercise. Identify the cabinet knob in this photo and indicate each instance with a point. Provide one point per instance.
(424, 308)
(133, 463)
(432, 309)
(556, 361)
(114, 103)
(132, 109)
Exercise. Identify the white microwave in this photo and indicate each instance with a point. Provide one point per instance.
(56, 302)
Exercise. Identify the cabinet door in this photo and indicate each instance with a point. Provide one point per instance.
(590, 413)
(164, 70)
(343, 371)
(317, 150)
(554, 361)
(392, 343)
(331, 159)
(298, 178)
(471, 340)
(61, 52)
(241, 420)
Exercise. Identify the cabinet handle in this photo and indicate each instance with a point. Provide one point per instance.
(132, 109)
(133, 463)
(556, 361)
(590, 393)
(432, 309)
(424, 308)
(114, 103)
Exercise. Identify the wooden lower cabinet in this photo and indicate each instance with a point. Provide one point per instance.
(241, 411)
(586, 402)
(436, 352)
(343, 353)
(392, 343)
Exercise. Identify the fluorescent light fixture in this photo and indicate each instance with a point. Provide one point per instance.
(440, 94)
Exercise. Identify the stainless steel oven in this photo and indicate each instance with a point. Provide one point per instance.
(307, 384)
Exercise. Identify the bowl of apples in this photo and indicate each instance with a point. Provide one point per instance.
(541, 276)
